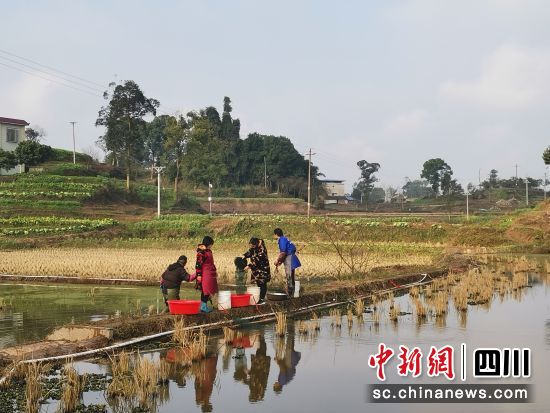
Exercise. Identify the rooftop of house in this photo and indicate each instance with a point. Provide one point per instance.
(11, 121)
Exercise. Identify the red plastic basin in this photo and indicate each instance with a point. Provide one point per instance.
(184, 306)
(240, 300)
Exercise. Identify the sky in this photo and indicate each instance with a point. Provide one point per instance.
(388, 81)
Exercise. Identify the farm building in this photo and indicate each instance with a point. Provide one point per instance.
(336, 192)
(12, 131)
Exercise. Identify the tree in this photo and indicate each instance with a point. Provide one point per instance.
(7, 160)
(35, 134)
(124, 123)
(417, 188)
(204, 159)
(177, 135)
(367, 179)
(434, 170)
(154, 139)
(546, 156)
(32, 153)
(493, 178)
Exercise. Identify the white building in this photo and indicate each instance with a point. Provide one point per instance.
(12, 131)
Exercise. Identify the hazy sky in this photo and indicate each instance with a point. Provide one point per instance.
(394, 82)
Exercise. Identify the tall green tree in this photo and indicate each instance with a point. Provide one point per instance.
(175, 146)
(204, 160)
(546, 156)
(7, 160)
(366, 182)
(123, 119)
(493, 178)
(434, 170)
(155, 138)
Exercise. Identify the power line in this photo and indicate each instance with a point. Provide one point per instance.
(52, 74)
(50, 68)
(50, 80)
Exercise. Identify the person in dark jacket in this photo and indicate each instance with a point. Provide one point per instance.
(258, 263)
(172, 278)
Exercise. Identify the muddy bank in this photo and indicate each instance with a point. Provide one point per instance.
(9, 278)
(114, 331)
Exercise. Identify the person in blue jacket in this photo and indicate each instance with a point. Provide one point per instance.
(287, 257)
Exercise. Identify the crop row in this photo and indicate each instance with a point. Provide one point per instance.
(45, 194)
(26, 226)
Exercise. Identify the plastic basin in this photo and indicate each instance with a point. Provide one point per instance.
(184, 306)
(240, 300)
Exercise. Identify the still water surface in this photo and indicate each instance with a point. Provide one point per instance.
(328, 371)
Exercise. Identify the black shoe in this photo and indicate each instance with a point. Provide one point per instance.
(261, 302)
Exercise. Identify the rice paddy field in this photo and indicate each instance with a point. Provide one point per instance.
(502, 303)
(319, 260)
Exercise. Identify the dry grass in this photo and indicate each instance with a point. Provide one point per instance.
(280, 326)
(181, 334)
(142, 263)
(145, 380)
(33, 387)
(72, 389)
(336, 316)
(359, 308)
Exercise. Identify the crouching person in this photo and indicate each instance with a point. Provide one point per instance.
(172, 278)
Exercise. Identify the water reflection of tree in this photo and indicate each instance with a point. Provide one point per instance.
(287, 359)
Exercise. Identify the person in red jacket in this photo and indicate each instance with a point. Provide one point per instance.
(206, 275)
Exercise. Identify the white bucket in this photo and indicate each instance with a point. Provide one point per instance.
(296, 289)
(255, 291)
(224, 300)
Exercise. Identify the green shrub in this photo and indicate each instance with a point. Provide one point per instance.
(62, 155)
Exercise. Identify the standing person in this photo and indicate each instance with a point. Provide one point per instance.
(287, 256)
(206, 275)
(172, 278)
(258, 263)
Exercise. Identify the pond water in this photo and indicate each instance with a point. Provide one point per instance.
(30, 312)
(328, 371)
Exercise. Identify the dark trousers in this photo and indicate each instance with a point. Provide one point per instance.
(263, 289)
(204, 297)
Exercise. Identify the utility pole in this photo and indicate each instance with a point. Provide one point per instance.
(74, 144)
(545, 184)
(467, 205)
(210, 198)
(159, 169)
(309, 182)
(526, 192)
(516, 165)
(479, 177)
(265, 173)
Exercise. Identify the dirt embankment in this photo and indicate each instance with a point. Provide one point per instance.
(532, 228)
(244, 206)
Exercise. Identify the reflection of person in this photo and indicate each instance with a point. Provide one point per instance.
(207, 277)
(287, 256)
(287, 365)
(259, 372)
(172, 278)
(258, 262)
(241, 369)
(204, 382)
